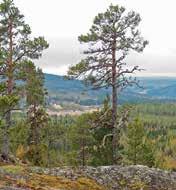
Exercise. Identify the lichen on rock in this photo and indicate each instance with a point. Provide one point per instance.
(86, 178)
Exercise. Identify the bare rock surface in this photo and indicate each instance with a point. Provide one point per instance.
(87, 178)
(120, 178)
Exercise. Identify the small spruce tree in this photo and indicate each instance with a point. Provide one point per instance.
(36, 115)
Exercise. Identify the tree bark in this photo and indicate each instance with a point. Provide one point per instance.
(83, 153)
(114, 103)
(5, 146)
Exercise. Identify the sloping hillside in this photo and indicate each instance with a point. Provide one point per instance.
(154, 89)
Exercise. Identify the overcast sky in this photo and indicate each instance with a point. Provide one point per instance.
(62, 21)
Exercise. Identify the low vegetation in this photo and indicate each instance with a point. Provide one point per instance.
(12, 176)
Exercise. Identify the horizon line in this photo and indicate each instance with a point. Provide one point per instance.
(166, 75)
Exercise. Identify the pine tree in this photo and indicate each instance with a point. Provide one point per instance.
(112, 36)
(100, 122)
(16, 47)
(82, 139)
(137, 149)
(37, 116)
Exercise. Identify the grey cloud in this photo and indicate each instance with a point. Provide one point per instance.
(67, 51)
(62, 52)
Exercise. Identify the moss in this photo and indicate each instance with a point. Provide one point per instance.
(90, 184)
(13, 169)
(138, 185)
(122, 183)
(42, 182)
(47, 182)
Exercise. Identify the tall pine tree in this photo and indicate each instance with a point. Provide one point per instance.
(112, 36)
(16, 46)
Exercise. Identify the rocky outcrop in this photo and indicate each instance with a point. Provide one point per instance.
(120, 178)
(13, 177)
(87, 178)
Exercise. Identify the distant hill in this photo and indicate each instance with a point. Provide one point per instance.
(154, 89)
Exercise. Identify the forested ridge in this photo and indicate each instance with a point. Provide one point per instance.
(131, 125)
(154, 89)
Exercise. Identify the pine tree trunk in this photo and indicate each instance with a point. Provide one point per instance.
(5, 146)
(114, 104)
(114, 119)
(83, 151)
(83, 156)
